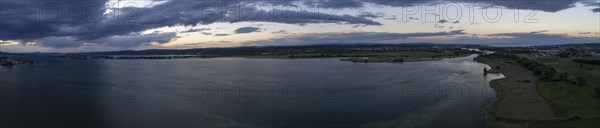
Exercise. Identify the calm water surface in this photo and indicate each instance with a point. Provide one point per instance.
(238, 92)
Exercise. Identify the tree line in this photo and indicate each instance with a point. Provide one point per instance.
(543, 71)
(587, 61)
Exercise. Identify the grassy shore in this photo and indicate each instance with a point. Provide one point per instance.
(517, 99)
(585, 123)
(571, 105)
(569, 100)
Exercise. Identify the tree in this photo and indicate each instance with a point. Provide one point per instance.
(597, 90)
(587, 61)
(563, 76)
(581, 81)
(548, 73)
(537, 71)
(484, 70)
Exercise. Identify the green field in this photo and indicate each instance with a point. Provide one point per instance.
(587, 123)
(590, 72)
(568, 100)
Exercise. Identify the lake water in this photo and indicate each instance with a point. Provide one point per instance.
(239, 92)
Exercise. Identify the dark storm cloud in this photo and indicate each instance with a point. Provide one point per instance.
(593, 3)
(88, 23)
(35, 19)
(355, 37)
(136, 40)
(370, 15)
(300, 17)
(542, 5)
(191, 12)
(281, 32)
(114, 41)
(243, 30)
(221, 34)
(195, 30)
(224, 41)
(59, 42)
(85, 21)
(459, 37)
(334, 3)
(442, 21)
(206, 33)
(132, 19)
(192, 44)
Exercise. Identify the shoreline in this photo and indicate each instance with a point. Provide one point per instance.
(8, 62)
(356, 59)
(517, 102)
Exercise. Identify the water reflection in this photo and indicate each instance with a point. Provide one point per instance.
(236, 92)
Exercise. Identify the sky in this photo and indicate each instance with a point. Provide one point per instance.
(66, 26)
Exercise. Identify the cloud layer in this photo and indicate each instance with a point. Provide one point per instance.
(456, 37)
(352, 37)
(243, 30)
(73, 23)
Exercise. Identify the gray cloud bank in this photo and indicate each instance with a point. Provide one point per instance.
(247, 30)
(456, 37)
(353, 37)
(71, 23)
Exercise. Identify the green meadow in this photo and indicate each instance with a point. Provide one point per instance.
(568, 99)
(586, 123)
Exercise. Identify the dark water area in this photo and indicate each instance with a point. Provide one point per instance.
(239, 92)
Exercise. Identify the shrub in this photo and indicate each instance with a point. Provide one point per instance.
(581, 81)
(563, 76)
(587, 61)
(597, 90)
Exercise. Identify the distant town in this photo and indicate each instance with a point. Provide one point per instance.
(7, 62)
